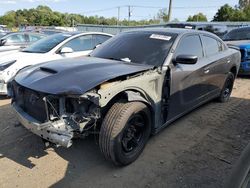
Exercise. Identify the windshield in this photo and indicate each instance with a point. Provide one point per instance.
(238, 34)
(137, 47)
(46, 44)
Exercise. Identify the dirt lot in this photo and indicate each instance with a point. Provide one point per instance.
(198, 150)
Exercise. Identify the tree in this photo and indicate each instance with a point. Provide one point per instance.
(228, 13)
(44, 16)
(200, 17)
(163, 15)
(224, 13)
(244, 4)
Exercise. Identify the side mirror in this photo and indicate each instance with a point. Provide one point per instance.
(97, 46)
(66, 50)
(186, 59)
(3, 42)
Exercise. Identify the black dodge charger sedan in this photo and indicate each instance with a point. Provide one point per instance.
(129, 88)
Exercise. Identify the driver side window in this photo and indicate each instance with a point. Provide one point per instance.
(190, 45)
(82, 43)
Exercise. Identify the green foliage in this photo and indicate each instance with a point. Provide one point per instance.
(200, 17)
(241, 12)
(244, 4)
(163, 14)
(44, 16)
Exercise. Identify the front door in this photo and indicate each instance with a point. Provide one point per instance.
(187, 85)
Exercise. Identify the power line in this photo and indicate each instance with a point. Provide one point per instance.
(148, 7)
(99, 10)
(180, 7)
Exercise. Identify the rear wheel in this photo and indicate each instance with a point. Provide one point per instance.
(227, 88)
(125, 132)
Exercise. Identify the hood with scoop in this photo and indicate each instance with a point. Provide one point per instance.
(75, 76)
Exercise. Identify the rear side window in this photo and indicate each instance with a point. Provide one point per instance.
(190, 45)
(34, 38)
(211, 45)
(99, 39)
(82, 43)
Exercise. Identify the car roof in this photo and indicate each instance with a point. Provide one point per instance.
(23, 32)
(178, 31)
(242, 28)
(196, 24)
(73, 33)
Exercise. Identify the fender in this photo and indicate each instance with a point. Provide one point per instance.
(136, 96)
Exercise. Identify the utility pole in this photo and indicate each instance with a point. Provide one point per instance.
(118, 16)
(129, 14)
(169, 10)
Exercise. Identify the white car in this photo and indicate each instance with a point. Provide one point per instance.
(13, 42)
(57, 46)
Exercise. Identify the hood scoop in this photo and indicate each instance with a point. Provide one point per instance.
(45, 69)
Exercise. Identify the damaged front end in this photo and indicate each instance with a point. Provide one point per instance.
(56, 119)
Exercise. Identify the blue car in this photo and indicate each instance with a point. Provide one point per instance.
(240, 38)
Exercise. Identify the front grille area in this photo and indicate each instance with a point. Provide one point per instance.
(30, 101)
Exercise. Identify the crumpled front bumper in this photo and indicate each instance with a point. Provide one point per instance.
(56, 132)
(3, 88)
(3, 85)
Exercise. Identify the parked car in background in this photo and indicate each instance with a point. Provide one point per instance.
(240, 38)
(132, 86)
(218, 29)
(16, 41)
(51, 31)
(48, 31)
(2, 34)
(3, 28)
(54, 47)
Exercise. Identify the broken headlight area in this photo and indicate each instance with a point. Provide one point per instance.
(80, 114)
(61, 115)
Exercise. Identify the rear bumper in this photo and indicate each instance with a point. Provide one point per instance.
(56, 132)
(244, 68)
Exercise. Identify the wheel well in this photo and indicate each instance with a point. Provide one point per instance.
(123, 97)
(234, 71)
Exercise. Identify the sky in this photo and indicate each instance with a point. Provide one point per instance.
(108, 8)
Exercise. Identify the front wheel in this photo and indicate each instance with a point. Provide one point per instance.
(227, 88)
(124, 132)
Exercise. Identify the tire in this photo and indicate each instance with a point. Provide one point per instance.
(240, 177)
(227, 88)
(120, 140)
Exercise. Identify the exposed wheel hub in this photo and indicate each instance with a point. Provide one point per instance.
(133, 134)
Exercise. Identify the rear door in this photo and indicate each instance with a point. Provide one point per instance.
(188, 85)
(215, 73)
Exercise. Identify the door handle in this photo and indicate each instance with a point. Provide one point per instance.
(206, 70)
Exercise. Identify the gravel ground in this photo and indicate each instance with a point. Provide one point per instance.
(198, 150)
